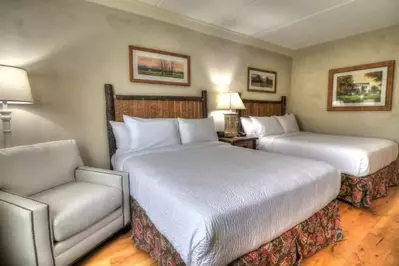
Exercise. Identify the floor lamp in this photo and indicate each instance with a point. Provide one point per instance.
(230, 101)
(14, 89)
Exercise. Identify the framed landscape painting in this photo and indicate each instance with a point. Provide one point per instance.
(260, 80)
(361, 88)
(158, 67)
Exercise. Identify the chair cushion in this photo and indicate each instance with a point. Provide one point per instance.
(30, 169)
(76, 206)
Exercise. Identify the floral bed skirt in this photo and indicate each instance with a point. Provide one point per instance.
(360, 191)
(303, 240)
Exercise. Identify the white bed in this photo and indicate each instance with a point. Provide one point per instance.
(215, 202)
(356, 156)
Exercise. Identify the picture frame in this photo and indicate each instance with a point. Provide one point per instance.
(367, 87)
(158, 67)
(261, 80)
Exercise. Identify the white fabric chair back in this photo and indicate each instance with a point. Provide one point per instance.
(30, 169)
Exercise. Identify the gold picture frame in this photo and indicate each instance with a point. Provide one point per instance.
(260, 80)
(366, 87)
(159, 67)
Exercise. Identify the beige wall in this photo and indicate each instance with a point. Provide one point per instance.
(308, 97)
(71, 48)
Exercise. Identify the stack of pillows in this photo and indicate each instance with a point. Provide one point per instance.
(267, 126)
(138, 134)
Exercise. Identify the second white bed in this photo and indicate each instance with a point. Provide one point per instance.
(355, 156)
(215, 202)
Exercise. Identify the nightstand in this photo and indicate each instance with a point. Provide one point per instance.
(245, 142)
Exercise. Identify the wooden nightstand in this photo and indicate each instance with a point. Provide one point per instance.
(245, 142)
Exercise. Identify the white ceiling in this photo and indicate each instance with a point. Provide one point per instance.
(292, 24)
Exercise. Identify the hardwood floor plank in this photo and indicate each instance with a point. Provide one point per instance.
(371, 238)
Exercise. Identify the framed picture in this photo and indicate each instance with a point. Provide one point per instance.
(262, 80)
(158, 67)
(361, 88)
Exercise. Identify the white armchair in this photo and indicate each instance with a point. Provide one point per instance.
(53, 210)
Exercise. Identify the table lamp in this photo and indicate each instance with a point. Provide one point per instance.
(230, 101)
(14, 89)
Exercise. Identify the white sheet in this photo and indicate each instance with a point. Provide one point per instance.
(215, 202)
(352, 155)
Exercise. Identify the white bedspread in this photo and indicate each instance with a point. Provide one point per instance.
(215, 202)
(352, 155)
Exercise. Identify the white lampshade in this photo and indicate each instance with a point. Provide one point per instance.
(14, 85)
(230, 101)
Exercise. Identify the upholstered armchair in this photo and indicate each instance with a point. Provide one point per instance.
(53, 210)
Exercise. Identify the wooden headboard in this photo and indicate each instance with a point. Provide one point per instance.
(264, 108)
(145, 106)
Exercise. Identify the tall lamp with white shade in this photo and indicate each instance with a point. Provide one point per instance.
(230, 101)
(14, 89)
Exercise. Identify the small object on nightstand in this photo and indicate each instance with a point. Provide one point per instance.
(220, 134)
(245, 142)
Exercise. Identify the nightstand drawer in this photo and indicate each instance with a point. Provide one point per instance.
(244, 144)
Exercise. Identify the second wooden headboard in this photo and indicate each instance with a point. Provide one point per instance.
(264, 108)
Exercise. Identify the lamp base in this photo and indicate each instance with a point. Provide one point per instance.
(230, 125)
(5, 115)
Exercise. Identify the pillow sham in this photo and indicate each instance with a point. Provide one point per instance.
(266, 126)
(248, 126)
(122, 134)
(197, 130)
(152, 133)
(289, 123)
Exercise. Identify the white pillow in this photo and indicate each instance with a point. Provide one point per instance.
(289, 123)
(266, 126)
(122, 135)
(248, 126)
(152, 133)
(197, 130)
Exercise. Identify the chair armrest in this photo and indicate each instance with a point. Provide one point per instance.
(25, 231)
(115, 179)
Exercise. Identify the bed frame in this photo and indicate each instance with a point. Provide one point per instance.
(286, 248)
(360, 192)
(264, 108)
(150, 107)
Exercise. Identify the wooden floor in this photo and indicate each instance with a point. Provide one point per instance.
(371, 238)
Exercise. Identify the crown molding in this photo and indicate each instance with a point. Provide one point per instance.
(142, 9)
